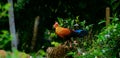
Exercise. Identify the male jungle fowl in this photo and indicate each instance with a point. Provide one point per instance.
(66, 33)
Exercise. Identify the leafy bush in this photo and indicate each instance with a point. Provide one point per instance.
(4, 38)
(107, 42)
(4, 9)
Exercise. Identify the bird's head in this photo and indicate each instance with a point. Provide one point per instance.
(56, 25)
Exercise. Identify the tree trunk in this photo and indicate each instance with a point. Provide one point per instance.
(35, 30)
(12, 26)
(107, 16)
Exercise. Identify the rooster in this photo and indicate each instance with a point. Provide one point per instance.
(67, 33)
(61, 32)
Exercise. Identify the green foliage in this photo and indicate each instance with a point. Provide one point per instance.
(20, 4)
(16, 54)
(73, 53)
(69, 23)
(4, 9)
(106, 43)
(39, 54)
(4, 38)
(42, 52)
(55, 43)
(102, 21)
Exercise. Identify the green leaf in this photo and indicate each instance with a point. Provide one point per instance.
(7, 6)
(52, 34)
(42, 53)
(83, 23)
(102, 21)
(71, 53)
(60, 20)
(55, 43)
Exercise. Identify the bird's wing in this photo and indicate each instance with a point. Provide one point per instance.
(63, 31)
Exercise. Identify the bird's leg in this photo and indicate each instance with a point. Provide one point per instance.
(65, 43)
(70, 44)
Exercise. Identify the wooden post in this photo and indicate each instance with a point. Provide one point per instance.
(107, 16)
(12, 25)
(35, 32)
